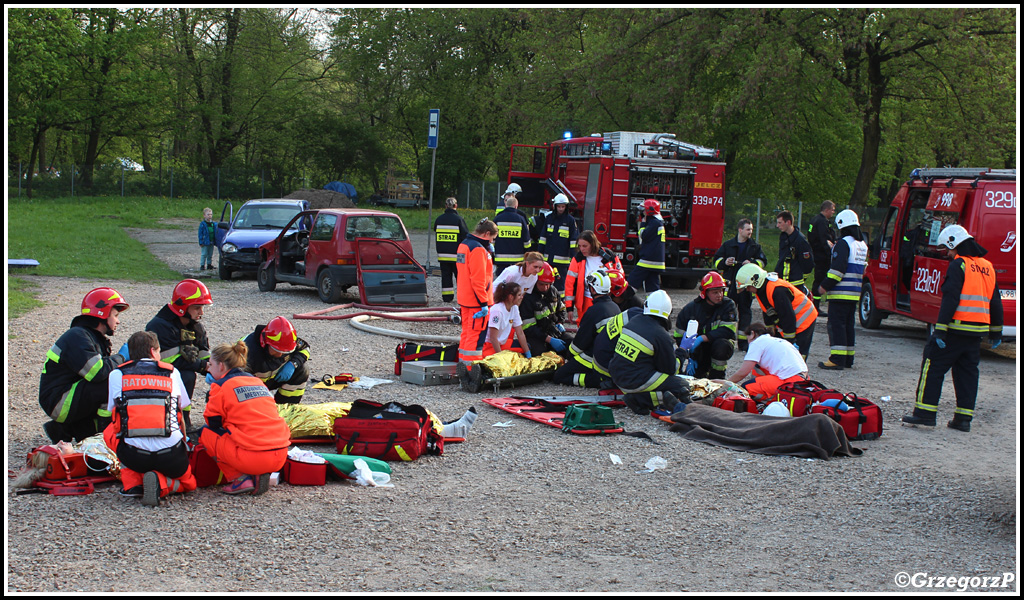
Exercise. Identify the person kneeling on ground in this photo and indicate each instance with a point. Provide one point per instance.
(580, 369)
(772, 361)
(504, 325)
(244, 433)
(543, 313)
(278, 357)
(715, 341)
(146, 400)
(646, 361)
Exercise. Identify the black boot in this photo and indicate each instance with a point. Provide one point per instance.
(960, 423)
(913, 419)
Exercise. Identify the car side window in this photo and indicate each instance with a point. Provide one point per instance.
(323, 228)
(890, 229)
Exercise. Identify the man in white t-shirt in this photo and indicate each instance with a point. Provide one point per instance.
(772, 361)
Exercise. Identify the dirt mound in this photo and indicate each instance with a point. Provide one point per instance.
(322, 198)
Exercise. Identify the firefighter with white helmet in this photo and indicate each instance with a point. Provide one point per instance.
(510, 192)
(971, 309)
(646, 360)
(650, 264)
(579, 368)
(183, 339)
(73, 383)
(783, 305)
(277, 355)
(841, 288)
(715, 340)
(558, 234)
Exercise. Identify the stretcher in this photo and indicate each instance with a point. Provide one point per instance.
(550, 410)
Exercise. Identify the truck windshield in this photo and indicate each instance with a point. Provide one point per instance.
(264, 217)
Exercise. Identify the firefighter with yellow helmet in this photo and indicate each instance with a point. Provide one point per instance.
(277, 355)
(783, 304)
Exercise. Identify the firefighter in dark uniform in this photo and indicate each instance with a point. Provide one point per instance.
(277, 355)
(646, 361)
(558, 234)
(842, 289)
(579, 370)
(513, 235)
(449, 230)
(715, 342)
(796, 260)
(73, 383)
(650, 264)
(543, 313)
(784, 306)
(183, 339)
(607, 338)
(822, 237)
(732, 255)
(971, 309)
(622, 293)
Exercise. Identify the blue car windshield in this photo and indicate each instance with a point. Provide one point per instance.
(264, 217)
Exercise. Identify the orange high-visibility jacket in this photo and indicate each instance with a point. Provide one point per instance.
(475, 271)
(248, 411)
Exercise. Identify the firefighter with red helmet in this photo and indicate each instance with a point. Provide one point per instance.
(579, 369)
(183, 339)
(73, 383)
(277, 355)
(715, 340)
(622, 293)
(650, 264)
(543, 313)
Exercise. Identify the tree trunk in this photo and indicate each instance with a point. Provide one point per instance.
(872, 131)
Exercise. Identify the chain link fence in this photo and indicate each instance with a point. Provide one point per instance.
(478, 194)
(169, 182)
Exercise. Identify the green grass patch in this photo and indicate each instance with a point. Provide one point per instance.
(20, 297)
(419, 218)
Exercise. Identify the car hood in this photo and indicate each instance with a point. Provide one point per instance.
(251, 238)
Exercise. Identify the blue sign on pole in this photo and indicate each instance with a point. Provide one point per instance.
(435, 117)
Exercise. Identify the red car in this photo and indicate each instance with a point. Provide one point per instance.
(336, 248)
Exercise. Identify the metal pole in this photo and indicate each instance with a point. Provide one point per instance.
(757, 232)
(430, 205)
(800, 219)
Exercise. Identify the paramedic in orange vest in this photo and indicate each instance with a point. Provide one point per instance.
(783, 304)
(971, 309)
(146, 399)
(244, 433)
(475, 271)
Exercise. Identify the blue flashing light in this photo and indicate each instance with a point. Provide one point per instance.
(567, 135)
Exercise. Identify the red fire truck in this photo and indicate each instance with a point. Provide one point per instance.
(608, 176)
(906, 267)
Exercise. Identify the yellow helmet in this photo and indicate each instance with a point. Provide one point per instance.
(751, 274)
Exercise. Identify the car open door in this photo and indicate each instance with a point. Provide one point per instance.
(388, 274)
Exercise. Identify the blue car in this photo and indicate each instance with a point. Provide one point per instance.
(256, 223)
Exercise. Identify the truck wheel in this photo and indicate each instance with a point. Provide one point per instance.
(328, 288)
(266, 278)
(870, 316)
(222, 270)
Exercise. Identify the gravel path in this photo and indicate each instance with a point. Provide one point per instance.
(527, 508)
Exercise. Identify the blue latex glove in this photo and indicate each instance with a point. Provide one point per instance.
(797, 346)
(209, 378)
(996, 342)
(559, 346)
(481, 313)
(528, 355)
(941, 343)
(680, 407)
(559, 328)
(123, 351)
(690, 343)
(691, 368)
(285, 372)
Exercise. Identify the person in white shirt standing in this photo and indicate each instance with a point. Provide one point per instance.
(772, 362)
(146, 398)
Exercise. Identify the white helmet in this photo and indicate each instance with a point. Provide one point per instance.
(777, 409)
(600, 282)
(560, 199)
(952, 236)
(751, 274)
(658, 304)
(513, 188)
(846, 219)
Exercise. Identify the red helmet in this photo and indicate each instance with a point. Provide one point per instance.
(187, 293)
(547, 274)
(711, 281)
(98, 302)
(279, 335)
(619, 285)
(652, 207)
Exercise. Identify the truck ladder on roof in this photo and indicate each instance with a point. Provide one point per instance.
(963, 173)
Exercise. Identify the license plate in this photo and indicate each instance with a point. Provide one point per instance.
(1008, 294)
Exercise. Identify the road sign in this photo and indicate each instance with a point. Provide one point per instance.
(435, 117)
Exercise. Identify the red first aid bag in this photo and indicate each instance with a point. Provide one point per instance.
(736, 403)
(862, 419)
(386, 432)
(799, 396)
(204, 468)
(301, 473)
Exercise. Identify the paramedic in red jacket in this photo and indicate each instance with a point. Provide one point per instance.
(244, 433)
(146, 399)
(475, 271)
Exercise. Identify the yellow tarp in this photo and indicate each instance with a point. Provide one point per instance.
(317, 420)
(507, 363)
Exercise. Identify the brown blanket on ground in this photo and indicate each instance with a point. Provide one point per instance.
(811, 436)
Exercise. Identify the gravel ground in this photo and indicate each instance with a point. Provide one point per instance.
(527, 508)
